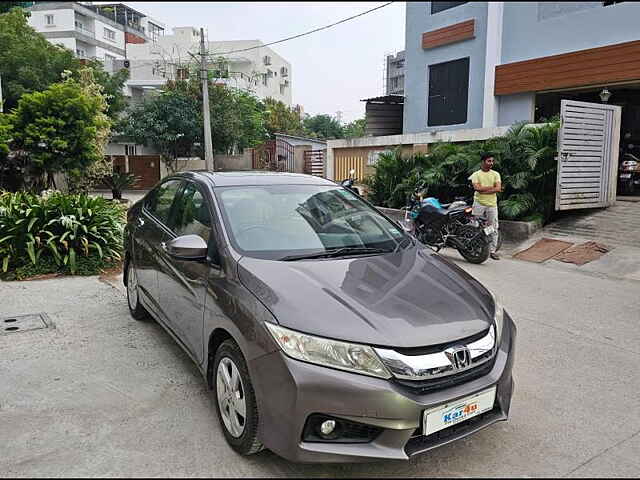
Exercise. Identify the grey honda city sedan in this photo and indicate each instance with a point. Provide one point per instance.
(325, 332)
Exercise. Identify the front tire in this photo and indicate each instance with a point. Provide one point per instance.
(235, 399)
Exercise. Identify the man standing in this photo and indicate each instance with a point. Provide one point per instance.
(487, 183)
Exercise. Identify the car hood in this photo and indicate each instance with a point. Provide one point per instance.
(411, 298)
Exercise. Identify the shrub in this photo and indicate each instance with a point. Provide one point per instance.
(65, 229)
(525, 158)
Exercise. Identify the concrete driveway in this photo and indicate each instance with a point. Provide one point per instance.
(104, 395)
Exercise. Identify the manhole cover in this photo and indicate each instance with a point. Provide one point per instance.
(22, 323)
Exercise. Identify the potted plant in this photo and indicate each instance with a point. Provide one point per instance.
(119, 181)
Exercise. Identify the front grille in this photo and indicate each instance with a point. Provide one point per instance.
(426, 350)
(419, 444)
(420, 387)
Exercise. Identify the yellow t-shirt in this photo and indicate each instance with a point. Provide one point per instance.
(486, 179)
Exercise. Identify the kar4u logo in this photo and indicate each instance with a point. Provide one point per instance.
(459, 412)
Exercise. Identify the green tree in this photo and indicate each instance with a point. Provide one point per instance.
(355, 129)
(170, 121)
(237, 119)
(112, 88)
(281, 119)
(5, 136)
(7, 6)
(28, 62)
(62, 129)
(324, 126)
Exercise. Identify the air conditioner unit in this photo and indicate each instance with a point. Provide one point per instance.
(284, 72)
(267, 60)
(269, 73)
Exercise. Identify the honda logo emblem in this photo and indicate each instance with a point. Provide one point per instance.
(459, 357)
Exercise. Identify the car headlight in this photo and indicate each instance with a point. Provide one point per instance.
(498, 316)
(328, 353)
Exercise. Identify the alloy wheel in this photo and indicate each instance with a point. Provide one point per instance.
(231, 398)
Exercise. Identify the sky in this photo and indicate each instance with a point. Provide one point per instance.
(331, 70)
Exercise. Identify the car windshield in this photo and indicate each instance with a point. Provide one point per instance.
(278, 221)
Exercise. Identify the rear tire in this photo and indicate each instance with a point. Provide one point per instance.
(480, 253)
(241, 433)
(136, 309)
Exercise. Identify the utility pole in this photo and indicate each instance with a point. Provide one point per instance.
(208, 144)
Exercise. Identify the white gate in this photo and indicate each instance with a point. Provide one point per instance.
(588, 142)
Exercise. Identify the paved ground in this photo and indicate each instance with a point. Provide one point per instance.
(103, 395)
(132, 195)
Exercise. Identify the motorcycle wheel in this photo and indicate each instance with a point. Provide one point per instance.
(480, 252)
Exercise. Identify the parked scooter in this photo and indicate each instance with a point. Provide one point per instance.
(349, 182)
(448, 225)
(629, 175)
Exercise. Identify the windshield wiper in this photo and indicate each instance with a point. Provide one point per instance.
(337, 252)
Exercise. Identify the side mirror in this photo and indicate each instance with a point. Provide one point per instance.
(187, 247)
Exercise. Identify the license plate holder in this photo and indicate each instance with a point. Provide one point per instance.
(444, 416)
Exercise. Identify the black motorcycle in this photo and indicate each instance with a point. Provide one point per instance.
(448, 225)
(629, 175)
(349, 182)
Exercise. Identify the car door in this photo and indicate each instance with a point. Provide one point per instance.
(182, 283)
(150, 232)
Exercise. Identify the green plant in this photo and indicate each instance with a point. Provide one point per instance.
(525, 158)
(63, 128)
(119, 181)
(395, 177)
(59, 227)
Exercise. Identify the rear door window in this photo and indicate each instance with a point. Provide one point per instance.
(161, 199)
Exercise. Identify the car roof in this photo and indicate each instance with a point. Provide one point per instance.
(254, 177)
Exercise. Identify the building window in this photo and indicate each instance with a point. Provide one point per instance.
(155, 32)
(109, 34)
(109, 59)
(448, 93)
(81, 53)
(48, 20)
(441, 6)
(265, 79)
(130, 150)
(282, 89)
(182, 73)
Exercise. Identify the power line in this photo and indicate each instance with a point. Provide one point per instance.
(306, 33)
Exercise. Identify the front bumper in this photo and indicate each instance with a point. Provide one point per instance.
(288, 391)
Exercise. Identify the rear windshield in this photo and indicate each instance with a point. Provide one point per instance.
(275, 221)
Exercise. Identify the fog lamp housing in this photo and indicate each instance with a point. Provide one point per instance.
(321, 428)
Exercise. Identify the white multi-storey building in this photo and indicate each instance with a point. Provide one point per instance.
(94, 31)
(250, 65)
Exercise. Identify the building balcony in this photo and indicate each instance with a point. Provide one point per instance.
(85, 31)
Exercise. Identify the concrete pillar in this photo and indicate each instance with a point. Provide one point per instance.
(298, 157)
(329, 167)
